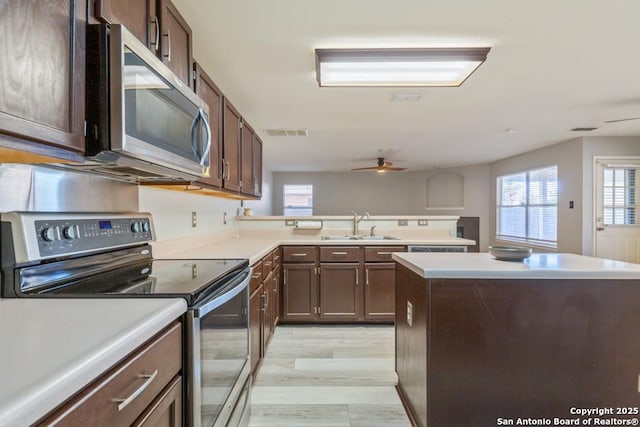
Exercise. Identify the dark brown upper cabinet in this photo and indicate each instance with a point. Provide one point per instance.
(176, 41)
(231, 144)
(139, 16)
(42, 82)
(159, 25)
(212, 96)
(257, 166)
(248, 136)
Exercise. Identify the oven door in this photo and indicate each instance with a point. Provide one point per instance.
(218, 355)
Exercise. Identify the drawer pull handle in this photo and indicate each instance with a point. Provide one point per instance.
(298, 254)
(338, 253)
(384, 253)
(123, 403)
(256, 276)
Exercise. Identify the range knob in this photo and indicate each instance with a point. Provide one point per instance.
(146, 227)
(136, 227)
(71, 232)
(51, 234)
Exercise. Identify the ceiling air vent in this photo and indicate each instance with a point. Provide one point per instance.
(287, 132)
(583, 129)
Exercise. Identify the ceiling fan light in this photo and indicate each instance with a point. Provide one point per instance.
(397, 67)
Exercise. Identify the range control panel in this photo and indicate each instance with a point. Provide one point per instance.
(37, 236)
(57, 237)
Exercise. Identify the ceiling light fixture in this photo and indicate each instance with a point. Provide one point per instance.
(397, 67)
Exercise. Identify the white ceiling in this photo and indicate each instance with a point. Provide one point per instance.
(554, 65)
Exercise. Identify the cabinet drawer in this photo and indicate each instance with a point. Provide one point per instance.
(299, 254)
(267, 264)
(340, 254)
(256, 277)
(381, 253)
(135, 383)
(276, 257)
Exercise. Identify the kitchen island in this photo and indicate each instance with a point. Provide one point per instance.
(482, 342)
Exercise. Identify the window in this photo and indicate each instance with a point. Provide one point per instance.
(620, 195)
(298, 200)
(527, 208)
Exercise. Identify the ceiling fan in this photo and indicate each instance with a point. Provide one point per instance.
(382, 166)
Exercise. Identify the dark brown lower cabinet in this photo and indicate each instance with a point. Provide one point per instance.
(470, 352)
(255, 328)
(267, 311)
(379, 291)
(166, 410)
(143, 401)
(276, 302)
(340, 292)
(300, 292)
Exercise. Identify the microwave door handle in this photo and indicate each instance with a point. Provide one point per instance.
(202, 158)
(205, 154)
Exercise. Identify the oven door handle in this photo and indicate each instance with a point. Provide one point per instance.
(239, 284)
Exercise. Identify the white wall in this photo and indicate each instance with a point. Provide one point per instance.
(402, 193)
(567, 157)
(172, 210)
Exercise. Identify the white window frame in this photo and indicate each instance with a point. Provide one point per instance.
(526, 205)
(301, 210)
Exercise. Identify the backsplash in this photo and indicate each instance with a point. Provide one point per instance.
(41, 188)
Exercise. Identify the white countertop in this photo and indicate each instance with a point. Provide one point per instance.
(52, 348)
(255, 245)
(538, 266)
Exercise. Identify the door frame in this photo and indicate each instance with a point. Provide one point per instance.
(594, 191)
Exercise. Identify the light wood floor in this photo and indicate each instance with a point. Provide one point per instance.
(328, 376)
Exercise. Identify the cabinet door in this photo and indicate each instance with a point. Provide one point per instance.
(247, 159)
(212, 96)
(138, 16)
(166, 409)
(257, 166)
(255, 328)
(42, 82)
(299, 292)
(231, 146)
(379, 291)
(275, 305)
(340, 292)
(175, 41)
(267, 312)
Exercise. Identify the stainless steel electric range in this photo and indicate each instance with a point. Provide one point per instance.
(79, 255)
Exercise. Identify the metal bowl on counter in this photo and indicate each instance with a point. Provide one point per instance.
(510, 253)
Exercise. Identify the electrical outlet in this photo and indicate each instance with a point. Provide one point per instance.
(194, 219)
(409, 313)
(289, 222)
(423, 222)
(224, 218)
(403, 222)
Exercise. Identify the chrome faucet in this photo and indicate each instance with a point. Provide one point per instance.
(357, 220)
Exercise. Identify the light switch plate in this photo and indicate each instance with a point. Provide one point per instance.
(289, 223)
(423, 222)
(194, 219)
(409, 313)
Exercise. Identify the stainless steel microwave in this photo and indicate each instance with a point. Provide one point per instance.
(143, 123)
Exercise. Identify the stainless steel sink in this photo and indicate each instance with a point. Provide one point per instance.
(360, 237)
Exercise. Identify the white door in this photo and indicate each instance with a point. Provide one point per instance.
(617, 201)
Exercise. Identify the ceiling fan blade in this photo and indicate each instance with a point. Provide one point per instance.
(389, 168)
(622, 120)
(364, 169)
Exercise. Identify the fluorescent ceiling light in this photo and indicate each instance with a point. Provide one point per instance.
(397, 67)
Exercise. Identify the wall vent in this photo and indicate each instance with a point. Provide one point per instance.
(583, 129)
(287, 132)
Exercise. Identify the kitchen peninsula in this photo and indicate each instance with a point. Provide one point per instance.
(481, 341)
